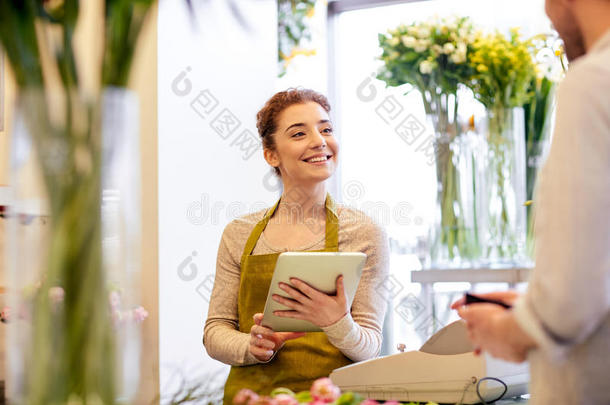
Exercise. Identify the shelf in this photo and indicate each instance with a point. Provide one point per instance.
(475, 275)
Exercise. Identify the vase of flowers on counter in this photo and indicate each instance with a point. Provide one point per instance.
(432, 57)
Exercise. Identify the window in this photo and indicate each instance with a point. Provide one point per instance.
(380, 173)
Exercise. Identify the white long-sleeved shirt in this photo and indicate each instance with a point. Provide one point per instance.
(566, 309)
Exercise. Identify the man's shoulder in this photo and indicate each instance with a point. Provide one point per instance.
(589, 74)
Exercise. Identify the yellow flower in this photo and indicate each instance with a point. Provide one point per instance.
(559, 51)
(482, 68)
(311, 12)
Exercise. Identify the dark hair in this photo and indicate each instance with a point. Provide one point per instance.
(266, 119)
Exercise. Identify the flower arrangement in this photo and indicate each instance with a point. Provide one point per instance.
(503, 69)
(433, 57)
(322, 392)
(430, 56)
(441, 55)
(503, 72)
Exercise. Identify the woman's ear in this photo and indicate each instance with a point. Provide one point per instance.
(271, 157)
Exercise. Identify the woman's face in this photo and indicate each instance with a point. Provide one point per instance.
(305, 147)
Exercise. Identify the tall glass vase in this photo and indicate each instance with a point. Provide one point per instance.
(121, 233)
(535, 155)
(539, 125)
(71, 316)
(455, 241)
(505, 219)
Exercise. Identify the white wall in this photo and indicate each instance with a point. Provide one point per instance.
(219, 61)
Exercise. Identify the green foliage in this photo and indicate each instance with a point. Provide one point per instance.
(23, 42)
(303, 397)
(70, 355)
(349, 398)
(293, 28)
(124, 20)
(18, 38)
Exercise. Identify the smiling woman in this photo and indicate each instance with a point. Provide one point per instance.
(299, 144)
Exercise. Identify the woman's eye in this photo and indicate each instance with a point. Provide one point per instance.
(297, 134)
(327, 130)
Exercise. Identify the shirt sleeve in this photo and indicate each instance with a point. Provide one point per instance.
(358, 334)
(221, 337)
(569, 290)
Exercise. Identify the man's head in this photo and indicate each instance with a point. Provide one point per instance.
(562, 15)
(579, 22)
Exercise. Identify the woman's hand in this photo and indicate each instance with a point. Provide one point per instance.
(264, 342)
(311, 305)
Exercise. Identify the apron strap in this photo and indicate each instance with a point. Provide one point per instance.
(332, 225)
(332, 228)
(256, 233)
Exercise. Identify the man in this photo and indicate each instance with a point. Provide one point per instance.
(562, 324)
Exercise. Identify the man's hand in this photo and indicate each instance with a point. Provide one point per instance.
(311, 305)
(494, 329)
(264, 342)
(507, 297)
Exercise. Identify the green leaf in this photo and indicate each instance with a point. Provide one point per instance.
(303, 396)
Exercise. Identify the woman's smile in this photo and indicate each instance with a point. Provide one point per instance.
(319, 159)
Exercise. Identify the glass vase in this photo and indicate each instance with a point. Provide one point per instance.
(455, 240)
(72, 254)
(505, 214)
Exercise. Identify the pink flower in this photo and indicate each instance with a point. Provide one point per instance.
(373, 402)
(244, 396)
(5, 315)
(324, 390)
(115, 300)
(285, 399)
(262, 401)
(56, 295)
(139, 314)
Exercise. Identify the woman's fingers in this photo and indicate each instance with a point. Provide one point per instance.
(288, 302)
(294, 293)
(306, 289)
(258, 318)
(261, 353)
(258, 329)
(341, 289)
(307, 303)
(284, 336)
(259, 341)
(291, 314)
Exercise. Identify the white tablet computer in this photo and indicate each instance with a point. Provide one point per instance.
(318, 269)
